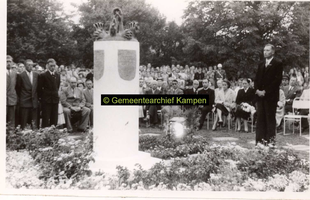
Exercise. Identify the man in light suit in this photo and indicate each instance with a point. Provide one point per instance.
(27, 83)
(11, 96)
(49, 83)
(291, 91)
(88, 94)
(73, 102)
(267, 82)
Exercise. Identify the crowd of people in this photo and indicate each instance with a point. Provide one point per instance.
(54, 95)
(63, 95)
(235, 99)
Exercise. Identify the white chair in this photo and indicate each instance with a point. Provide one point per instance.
(297, 104)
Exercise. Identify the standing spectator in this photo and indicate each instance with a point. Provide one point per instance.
(49, 83)
(267, 82)
(88, 94)
(11, 96)
(26, 88)
(206, 90)
(73, 102)
(219, 74)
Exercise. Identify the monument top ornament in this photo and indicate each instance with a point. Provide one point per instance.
(116, 30)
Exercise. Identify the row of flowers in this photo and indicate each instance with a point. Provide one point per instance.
(48, 159)
(56, 156)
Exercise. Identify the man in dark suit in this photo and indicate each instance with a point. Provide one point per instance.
(267, 82)
(152, 109)
(88, 94)
(26, 88)
(192, 89)
(11, 96)
(291, 91)
(199, 76)
(205, 90)
(49, 83)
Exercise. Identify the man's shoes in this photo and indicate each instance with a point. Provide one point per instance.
(304, 129)
(81, 130)
(70, 131)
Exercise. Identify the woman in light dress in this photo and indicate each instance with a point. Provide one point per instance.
(224, 102)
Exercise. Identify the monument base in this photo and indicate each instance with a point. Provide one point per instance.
(108, 165)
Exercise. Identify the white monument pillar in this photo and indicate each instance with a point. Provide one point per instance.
(116, 128)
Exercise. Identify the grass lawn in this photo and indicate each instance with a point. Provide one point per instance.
(222, 136)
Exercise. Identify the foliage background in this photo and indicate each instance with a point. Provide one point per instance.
(232, 33)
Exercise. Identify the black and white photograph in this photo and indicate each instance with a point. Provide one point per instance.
(77, 72)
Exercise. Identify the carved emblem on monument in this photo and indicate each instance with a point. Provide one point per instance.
(127, 64)
(116, 29)
(98, 64)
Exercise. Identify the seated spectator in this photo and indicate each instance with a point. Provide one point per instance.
(219, 86)
(175, 88)
(291, 92)
(199, 76)
(304, 121)
(245, 96)
(90, 75)
(280, 109)
(63, 76)
(192, 88)
(88, 94)
(73, 102)
(153, 108)
(285, 82)
(205, 90)
(80, 85)
(224, 102)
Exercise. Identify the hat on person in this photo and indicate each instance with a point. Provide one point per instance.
(51, 60)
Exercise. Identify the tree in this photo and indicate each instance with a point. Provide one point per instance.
(39, 29)
(154, 37)
(234, 33)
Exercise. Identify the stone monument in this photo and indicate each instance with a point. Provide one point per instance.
(116, 71)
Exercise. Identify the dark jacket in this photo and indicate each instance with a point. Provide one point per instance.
(269, 79)
(48, 87)
(209, 92)
(245, 97)
(27, 92)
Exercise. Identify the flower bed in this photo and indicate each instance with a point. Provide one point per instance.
(52, 160)
(60, 158)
